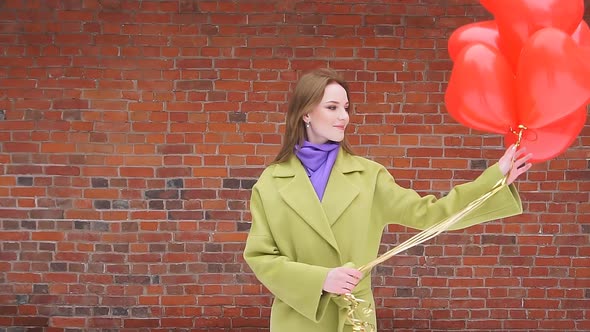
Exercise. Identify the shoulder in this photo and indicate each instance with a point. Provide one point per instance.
(286, 169)
(368, 163)
(266, 175)
(350, 162)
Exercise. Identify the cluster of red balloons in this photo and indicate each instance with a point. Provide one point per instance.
(528, 69)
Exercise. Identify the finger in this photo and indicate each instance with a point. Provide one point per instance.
(520, 152)
(352, 283)
(354, 273)
(520, 162)
(518, 172)
(356, 277)
(522, 157)
(524, 169)
(510, 151)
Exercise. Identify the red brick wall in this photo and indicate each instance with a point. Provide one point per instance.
(132, 132)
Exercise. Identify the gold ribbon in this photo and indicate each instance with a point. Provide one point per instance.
(356, 318)
(356, 314)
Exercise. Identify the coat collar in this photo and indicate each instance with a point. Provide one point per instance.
(345, 162)
(297, 191)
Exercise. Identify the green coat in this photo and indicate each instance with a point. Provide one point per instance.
(295, 239)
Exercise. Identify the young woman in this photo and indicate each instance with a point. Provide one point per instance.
(318, 211)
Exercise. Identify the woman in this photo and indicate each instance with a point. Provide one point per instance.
(318, 211)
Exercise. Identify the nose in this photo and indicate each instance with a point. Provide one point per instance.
(343, 114)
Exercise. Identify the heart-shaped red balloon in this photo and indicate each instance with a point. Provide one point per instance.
(519, 19)
(551, 140)
(481, 90)
(485, 32)
(551, 81)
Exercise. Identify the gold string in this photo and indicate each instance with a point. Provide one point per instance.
(358, 320)
(360, 325)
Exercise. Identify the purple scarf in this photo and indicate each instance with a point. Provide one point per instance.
(318, 160)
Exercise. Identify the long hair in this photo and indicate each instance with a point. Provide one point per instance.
(308, 93)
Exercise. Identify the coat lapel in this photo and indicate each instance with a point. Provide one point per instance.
(340, 191)
(297, 191)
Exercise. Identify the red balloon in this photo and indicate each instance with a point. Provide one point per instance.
(481, 90)
(551, 140)
(551, 81)
(485, 32)
(519, 19)
(582, 34)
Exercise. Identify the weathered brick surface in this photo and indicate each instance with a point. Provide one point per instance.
(131, 133)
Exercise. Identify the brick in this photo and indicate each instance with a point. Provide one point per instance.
(231, 183)
(47, 236)
(175, 183)
(177, 322)
(137, 172)
(205, 85)
(97, 322)
(120, 311)
(102, 204)
(137, 323)
(166, 172)
(197, 63)
(490, 239)
(161, 194)
(68, 322)
(70, 104)
(247, 183)
(120, 204)
(31, 321)
(62, 170)
(175, 149)
(156, 205)
(24, 181)
(8, 310)
(20, 147)
(198, 194)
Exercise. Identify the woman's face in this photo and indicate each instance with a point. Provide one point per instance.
(328, 120)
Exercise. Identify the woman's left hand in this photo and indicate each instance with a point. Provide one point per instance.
(520, 165)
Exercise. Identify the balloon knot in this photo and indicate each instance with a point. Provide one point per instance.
(521, 130)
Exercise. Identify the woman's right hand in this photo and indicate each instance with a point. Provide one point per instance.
(342, 280)
(514, 163)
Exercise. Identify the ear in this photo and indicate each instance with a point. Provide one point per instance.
(306, 117)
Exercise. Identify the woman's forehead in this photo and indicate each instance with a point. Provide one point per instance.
(335, 92)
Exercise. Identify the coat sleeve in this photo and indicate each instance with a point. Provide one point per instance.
(406, 207)
(296, 284)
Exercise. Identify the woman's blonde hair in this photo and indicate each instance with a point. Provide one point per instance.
(308, 93)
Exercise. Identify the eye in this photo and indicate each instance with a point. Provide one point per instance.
(332, 107)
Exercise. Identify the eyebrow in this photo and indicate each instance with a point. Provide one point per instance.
(336, 102)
